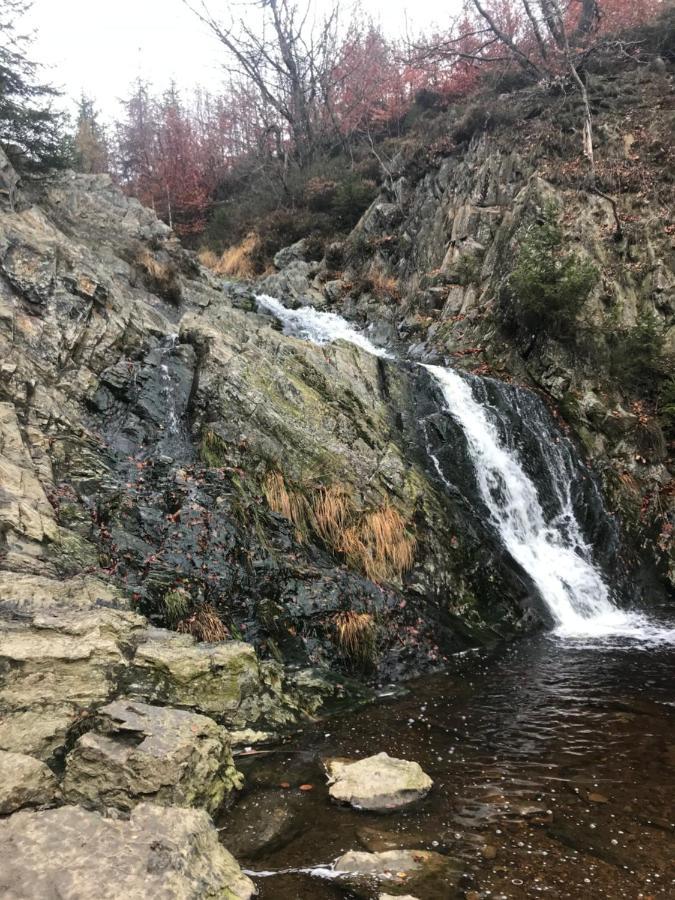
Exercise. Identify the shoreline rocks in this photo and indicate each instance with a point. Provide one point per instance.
(158, 852)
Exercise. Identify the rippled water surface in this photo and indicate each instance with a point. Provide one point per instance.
(554, 776)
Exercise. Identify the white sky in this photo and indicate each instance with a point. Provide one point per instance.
(101, 46)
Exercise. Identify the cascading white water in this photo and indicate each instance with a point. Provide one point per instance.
(309, 324)
(552, 552)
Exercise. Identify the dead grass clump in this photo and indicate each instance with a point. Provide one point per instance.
(332, 510)
(384, 287)
(204, 624)
(237, 261)
(380, 545)
(377, 542)
(355, 638)
(160, 277)
(291, 504)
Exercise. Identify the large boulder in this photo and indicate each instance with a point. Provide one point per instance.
(378, 784)
(160, 852)
(25, 781)
(150, 753)
(63, 647)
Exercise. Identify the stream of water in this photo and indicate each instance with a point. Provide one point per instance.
(553, 762)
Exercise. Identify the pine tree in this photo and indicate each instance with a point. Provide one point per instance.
(90, 147)
(31, 131)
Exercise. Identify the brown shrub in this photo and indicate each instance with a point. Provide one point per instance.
(204, 624)
(383, 286)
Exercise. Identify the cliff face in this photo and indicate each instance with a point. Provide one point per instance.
(170, 458)
(430, 261)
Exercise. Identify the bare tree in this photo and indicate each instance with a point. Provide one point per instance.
(287, 57)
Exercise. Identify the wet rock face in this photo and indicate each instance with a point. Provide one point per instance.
(377, 784)
(77, 854)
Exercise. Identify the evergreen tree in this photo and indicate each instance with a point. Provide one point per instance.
(90, 148)
(31, 131)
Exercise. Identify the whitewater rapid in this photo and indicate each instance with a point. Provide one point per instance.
(552, 552)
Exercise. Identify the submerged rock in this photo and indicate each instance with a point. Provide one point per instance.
(263, 822)
(25, 781)
(150, 753)
(379, 783)
(76, 855)
(430, 875)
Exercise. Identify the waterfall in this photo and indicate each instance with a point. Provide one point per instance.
(548, 544)
(553, 553)
(172, 426)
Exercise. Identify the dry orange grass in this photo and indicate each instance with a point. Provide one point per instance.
(384, 287)
(288, 503)
(376, 542)
(204, 624)
(380, 545)
(236, 261)
(355, 637)
(332, 509)
(160, 277)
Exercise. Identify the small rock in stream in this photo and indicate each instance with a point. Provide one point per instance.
(378, 784)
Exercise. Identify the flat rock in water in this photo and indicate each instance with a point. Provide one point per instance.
(423, 873)
(76, 855)
(378, 784)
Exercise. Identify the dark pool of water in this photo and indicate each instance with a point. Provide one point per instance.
(554, 776)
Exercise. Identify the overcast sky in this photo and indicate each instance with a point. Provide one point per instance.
(101, 46)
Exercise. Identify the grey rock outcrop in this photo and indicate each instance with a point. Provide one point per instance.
(141, 753)
(25, 781)
(160, 852)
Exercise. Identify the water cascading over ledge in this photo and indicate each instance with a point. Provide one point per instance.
(523, 477)
(499, 454)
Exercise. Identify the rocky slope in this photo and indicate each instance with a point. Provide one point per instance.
(428, 264)
(157, 440)
(210, 530)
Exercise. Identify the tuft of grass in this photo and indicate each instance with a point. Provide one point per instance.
(332, 509)
(291, 504)
(204, 624)
(213, 449)
(380, 545)
(237, 261)
(376, 542)
(355, 637)
(175, 605)
(160, 277)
